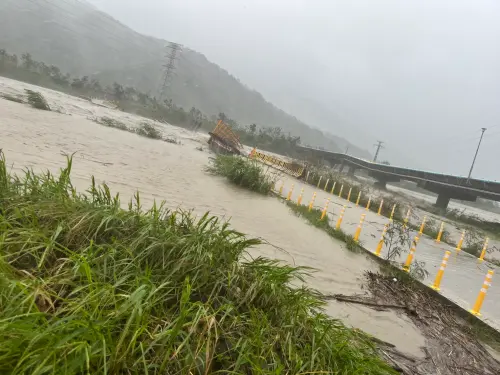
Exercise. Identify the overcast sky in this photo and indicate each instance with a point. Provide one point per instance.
(421, 75)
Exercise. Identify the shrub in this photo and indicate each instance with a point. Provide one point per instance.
(149, 131)
(112, 123)
(37, 100)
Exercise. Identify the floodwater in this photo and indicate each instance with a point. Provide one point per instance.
(463, 276)
(174, 173)
(408, 198)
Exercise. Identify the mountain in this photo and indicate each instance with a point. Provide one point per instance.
(80, 39)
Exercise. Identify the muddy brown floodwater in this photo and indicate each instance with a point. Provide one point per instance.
(174, 173)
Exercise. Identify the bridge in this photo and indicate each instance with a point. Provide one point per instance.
(445, 186)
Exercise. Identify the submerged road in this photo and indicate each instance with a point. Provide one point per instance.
(463, 276)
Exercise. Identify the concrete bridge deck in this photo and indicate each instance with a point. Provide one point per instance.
(446, 186)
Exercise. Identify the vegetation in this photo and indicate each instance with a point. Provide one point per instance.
(131, 100)
(313, 217)
(490, 227)
(112, 123)
(88, 287)
(149, 131)
(37, 100)
(267, 138)
(242, 172)
(336, 182)
(12, 98)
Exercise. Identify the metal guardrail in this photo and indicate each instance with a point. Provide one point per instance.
(285, 166)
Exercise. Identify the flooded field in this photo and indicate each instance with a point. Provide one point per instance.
(174, 173)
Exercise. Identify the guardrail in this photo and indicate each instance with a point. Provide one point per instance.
(283, 165)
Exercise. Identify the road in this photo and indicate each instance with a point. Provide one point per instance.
(463, 276)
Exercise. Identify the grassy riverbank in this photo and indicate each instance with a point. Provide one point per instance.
(243, 172)
(87, 287)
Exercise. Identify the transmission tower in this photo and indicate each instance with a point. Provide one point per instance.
(379, 146)
(172, 51)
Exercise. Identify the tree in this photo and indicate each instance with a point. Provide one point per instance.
(27, 61)
(222, 116)
(118, 91)
(253, 128)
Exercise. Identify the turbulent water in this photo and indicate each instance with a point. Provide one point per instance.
(174, 173)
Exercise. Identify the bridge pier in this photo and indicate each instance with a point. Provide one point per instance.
(442, 200)
(382, 179)
(445, 194)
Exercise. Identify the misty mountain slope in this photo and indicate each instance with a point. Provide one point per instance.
(78, 38)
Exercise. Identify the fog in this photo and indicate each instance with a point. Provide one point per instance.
(422, 76)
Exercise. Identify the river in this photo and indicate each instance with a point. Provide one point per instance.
(175, 173)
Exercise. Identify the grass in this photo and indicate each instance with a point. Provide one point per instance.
(37, 100)
(112, 123)
(149, 131)
(12, 98)
(87, 287)
(243, 172)
(314, 218)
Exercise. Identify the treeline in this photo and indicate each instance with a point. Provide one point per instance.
(129, 99)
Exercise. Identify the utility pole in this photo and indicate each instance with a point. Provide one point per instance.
(475, 155)
(171, 55)
(379, 146)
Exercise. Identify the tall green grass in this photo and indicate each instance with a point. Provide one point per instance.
(243, 172)
(87, 287)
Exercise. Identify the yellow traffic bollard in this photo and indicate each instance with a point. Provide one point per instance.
(368, 204)
(392, 212)
(340, 192)
(409, 258)
(359, 197)
(440, 233)
(319, 181)
(341, 216)
(407, 217)
(333, 187)
(482, 293)
(327, 181)
(325, 210)
(299, 200)
(289, 196)
(311, 204)
(281, 188)
(358, 229)
(460, 242)
(439, 276)
(349, 195)
(483, 252)
(422, 226)
(380, 207)
(381, 241)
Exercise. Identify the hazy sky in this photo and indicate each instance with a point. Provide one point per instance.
(421, 75)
